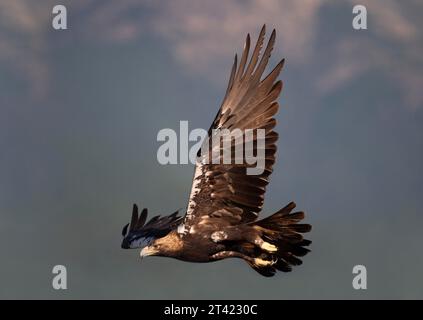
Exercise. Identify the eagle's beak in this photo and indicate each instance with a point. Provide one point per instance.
(147, 251)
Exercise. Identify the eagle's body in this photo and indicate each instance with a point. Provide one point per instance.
(221, 220)
(202, 246)
(192, 248)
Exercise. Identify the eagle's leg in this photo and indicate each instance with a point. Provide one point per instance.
(247, 234)
(228, 254)
(257, 261)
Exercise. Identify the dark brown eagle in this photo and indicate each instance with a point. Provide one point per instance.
(221, 218)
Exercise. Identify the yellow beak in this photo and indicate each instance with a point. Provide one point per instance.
(147, 251)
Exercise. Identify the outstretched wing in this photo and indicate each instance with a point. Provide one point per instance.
(225, 193)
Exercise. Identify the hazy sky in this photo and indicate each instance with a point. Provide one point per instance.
(80, 110)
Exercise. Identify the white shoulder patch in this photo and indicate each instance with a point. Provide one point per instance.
(219, 236)
(182, 229)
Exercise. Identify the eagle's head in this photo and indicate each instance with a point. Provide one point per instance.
(165, 246)
(148, 237)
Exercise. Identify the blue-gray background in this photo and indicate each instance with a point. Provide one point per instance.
(80, 110)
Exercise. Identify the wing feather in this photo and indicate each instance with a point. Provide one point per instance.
(225, 193)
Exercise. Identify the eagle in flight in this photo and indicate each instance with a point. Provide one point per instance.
(221, 220)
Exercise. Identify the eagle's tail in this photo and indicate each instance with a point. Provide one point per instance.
(282, 243)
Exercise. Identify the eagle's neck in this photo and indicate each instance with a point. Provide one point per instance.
(170, 245)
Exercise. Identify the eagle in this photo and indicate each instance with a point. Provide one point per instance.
(221, 220)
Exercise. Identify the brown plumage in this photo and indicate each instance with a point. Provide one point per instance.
(221, 218)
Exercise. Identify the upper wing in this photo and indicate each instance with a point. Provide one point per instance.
(225, 193)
